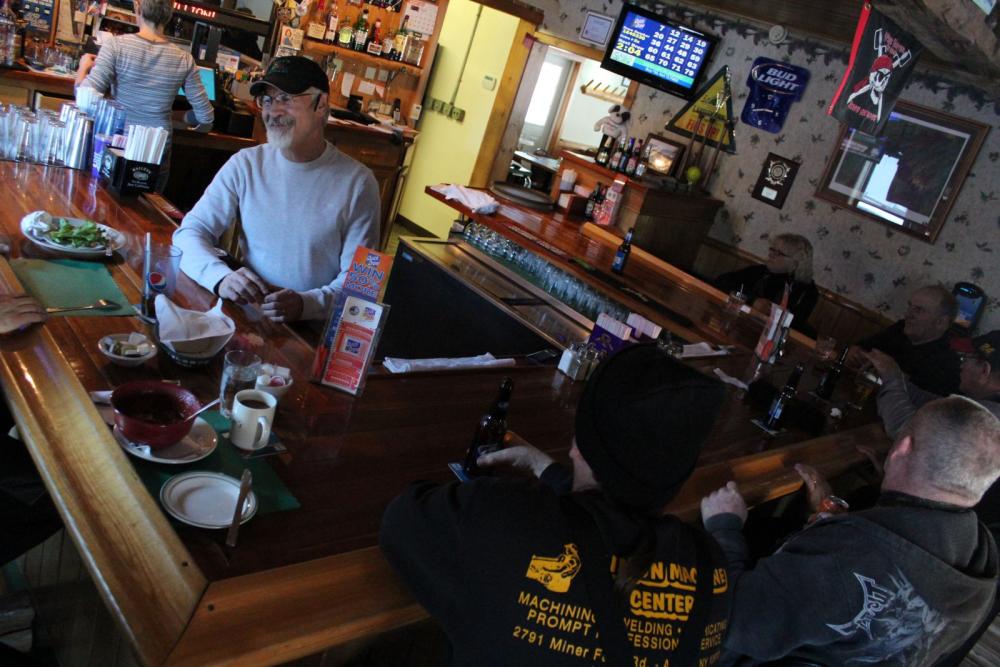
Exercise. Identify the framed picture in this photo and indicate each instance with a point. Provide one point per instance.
(909, 176)
(664, 155)
(596, 28)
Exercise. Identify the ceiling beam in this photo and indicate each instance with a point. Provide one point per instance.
(955, 31)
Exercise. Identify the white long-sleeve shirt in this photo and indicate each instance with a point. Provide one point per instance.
(301, 222)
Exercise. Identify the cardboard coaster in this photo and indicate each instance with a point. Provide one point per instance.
(759, 423)
(274, 446)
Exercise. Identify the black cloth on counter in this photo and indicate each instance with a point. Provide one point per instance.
(496, 563)
(759, 283)
(903, 583)
(933, 366)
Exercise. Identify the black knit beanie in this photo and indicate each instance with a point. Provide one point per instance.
(641, 422)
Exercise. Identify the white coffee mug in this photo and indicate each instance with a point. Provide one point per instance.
(253, 413)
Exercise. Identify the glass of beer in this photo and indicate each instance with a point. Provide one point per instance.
(865, 383)
(731, 310)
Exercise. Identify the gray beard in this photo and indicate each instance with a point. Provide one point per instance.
(279, 137)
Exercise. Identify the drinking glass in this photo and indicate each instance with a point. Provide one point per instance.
(826, 348)
(734, 304)
(239, 372)
(865, 383)
(53, 153)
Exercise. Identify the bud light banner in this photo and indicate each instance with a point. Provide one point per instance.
(774, 86)
(882, 58)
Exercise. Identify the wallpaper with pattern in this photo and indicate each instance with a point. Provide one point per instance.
(854, 256)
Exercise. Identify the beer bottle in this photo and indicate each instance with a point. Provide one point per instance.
(592, 202)
(787, 393)
(491, 430)
(829, 380)
(621, 255)
(640, 168)
(616, 156)
(633, 159)
(623, 160)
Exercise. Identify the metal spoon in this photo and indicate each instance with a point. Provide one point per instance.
(100, 304)
(210, 404)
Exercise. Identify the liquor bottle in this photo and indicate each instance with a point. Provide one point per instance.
(621, 255)
(396, 111)
(616, 155)
(491, 430)
(332, 23)
(633, 159)
(374, 45)
(829, 380)
(787, 393)
(640, 169)
(361, 30)
(623, 160)
(401, 39)
(592, 202)
(345, 38)
(8, 35)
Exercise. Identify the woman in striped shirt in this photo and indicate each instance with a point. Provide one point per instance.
(144, 71)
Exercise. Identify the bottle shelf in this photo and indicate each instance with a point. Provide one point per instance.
(310, 44)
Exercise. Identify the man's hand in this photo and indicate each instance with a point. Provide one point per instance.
(726, 500)
(816, 485)
(885, 365)
(243, 286)
(521, 455)
(19, 311)
(285, 305)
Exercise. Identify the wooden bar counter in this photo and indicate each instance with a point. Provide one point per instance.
(299, 581)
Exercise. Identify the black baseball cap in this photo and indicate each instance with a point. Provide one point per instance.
(292, 75)
(640, 424)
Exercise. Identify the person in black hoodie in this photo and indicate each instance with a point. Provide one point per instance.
(518, 574)
(789, 263)
(902, 583)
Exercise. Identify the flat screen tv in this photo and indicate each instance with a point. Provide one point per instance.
(658, 52)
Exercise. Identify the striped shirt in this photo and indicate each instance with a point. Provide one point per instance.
(145, 76)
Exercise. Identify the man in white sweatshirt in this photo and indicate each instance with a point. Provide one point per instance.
(305, 207)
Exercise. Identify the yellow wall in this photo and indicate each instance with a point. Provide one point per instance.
(446, 150)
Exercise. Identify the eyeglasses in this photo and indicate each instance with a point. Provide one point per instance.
(774, 251)
(281, 99)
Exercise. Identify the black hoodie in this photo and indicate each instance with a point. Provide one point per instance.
(495, 561)
(903, 583)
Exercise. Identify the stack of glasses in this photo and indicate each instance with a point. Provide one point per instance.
(27, 136)
(562, 285)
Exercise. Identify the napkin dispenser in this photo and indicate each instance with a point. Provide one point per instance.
(127, 177)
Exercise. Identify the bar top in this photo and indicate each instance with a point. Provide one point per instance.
(347, 457)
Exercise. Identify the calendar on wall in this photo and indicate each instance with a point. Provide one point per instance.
(423, 16)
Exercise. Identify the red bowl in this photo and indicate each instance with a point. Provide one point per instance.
(158, 414)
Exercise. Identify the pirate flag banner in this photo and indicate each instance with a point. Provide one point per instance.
(882, 58)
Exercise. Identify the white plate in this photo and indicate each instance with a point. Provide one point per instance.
(205, 499)
(116, 238)
(195, 446)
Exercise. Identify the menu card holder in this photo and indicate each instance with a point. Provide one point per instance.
(127, 177)
(355, 324)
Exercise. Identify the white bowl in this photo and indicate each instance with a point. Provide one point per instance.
(107, 342)
(276, 391)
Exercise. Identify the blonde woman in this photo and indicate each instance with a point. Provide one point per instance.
(789, 262)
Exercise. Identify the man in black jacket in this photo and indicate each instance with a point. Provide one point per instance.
(518, 574)
(920, 342)
(903, 583)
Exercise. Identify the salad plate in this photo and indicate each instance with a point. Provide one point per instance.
(74, 236)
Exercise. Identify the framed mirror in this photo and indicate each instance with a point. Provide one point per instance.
(909, 176)
(664, 154)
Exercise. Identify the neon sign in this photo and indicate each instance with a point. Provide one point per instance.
(196, 11)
